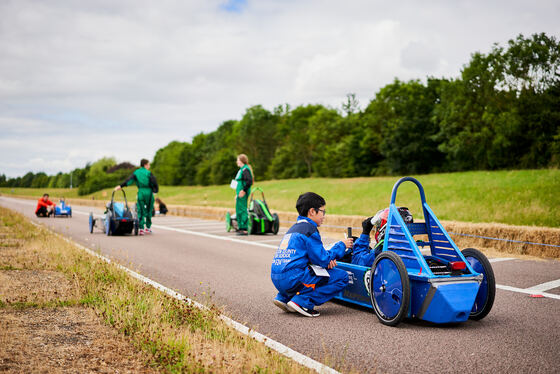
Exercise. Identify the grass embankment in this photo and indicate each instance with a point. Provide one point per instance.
(171, 335)
(522, 197)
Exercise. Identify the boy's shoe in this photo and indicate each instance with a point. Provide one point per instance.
(285, 307)
(141, 232)
(301, 310)
(241, 233)
(147, 231)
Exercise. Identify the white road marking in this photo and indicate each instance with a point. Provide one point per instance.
(198, 225)
(500, 259)
(226, 238)
(527, 291)
(545, 286)
(271, 240)
(273, 344)
(215, 231)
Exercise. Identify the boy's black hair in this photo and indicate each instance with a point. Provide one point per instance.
(143, 162)
(309, 200)
(46, 194)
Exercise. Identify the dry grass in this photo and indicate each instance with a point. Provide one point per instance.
(173, 336)
(63, 340)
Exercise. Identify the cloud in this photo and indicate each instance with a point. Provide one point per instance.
(124, 78)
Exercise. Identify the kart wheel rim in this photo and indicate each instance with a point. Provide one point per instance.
(482, 295)
(387, 288)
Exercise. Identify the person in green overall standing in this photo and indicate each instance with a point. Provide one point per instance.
(147, 186)
(244, 179)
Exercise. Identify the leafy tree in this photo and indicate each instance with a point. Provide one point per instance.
(257, 137)
(404, 111)
(168, 164)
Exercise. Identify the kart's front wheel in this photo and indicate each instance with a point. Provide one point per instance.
(228, 222)
(275, 224)
(250, 224)
(390, 288)
(487, 291)
(91, 223)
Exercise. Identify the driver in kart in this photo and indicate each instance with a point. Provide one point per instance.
(363, 254)
(303, 271)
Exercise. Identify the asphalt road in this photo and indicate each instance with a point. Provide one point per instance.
(200, 260)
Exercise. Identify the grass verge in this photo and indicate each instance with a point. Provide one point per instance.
(517, 197)
(173, 336)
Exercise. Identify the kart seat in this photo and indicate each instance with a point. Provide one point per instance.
(119, 209)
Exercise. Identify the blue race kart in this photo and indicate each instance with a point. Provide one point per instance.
(445, 286)
(119, 219)
(62, 210)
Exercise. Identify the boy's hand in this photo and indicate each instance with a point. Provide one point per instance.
(241, 193)
(367, 226)
(348, 242)
(332, 264)
(117, 188)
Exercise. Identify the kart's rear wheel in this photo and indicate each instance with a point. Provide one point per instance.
(390, 288)
(108, 224)
(228, 222)
(275, 224)
(91, 223)
(487, 290)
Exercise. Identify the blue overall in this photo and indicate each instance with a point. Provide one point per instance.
(290, 272)
(362, 254)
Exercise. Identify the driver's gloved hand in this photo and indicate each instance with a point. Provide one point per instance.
(367, 226)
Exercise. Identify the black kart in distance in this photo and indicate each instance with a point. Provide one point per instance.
(119, 219)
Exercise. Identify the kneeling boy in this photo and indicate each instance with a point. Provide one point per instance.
(298, 269)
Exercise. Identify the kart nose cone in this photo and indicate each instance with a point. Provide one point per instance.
(450, 302)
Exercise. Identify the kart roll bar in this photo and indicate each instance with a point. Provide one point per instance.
(413, 180)
(113, 198)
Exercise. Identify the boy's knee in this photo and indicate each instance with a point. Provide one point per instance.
(339, 275)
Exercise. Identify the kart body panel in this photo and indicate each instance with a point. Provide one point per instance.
(62, 210)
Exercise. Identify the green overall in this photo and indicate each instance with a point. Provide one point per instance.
(145, 198)
(241, 202)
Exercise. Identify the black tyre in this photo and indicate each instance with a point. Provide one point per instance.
(275, 223)
(91, 223)
(136, 224)
(250, 224)
(390, 288)
(487, 290)
(108, 224)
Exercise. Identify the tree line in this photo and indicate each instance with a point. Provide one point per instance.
(502, 112)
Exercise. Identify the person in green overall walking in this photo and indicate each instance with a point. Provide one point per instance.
(147, 186)
(244, 179)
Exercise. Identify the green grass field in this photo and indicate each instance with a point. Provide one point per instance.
(524, 197)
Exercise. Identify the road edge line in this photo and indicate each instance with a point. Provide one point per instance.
(269, 342)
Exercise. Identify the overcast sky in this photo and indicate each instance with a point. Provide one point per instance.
(80, 80)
